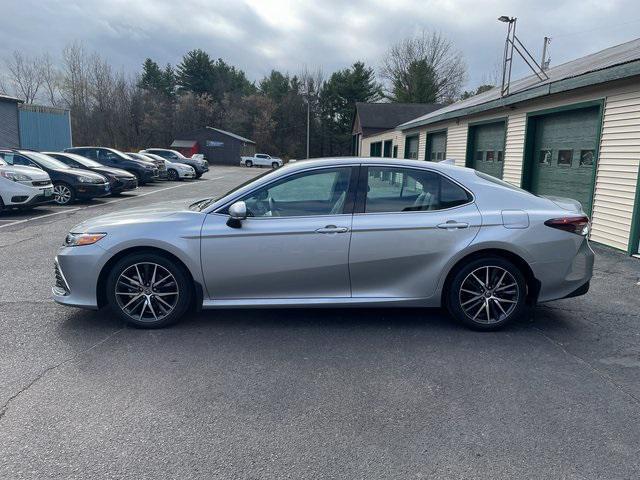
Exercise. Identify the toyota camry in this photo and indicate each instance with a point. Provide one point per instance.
(335, 232)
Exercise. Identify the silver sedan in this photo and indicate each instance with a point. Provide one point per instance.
(335, 232)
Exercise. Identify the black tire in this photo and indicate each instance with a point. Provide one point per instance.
(248, 164)
(172, 175)
(180, 303)
(65, 195)
(198, 175)
(504, 304)
(274, 165)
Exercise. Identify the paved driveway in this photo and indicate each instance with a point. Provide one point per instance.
(342, 393)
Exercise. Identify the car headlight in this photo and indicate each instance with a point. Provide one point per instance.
(79, 239)
(85, 179)
(16, 177)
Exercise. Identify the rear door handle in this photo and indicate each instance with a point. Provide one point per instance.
(452, 225)
(332, 229)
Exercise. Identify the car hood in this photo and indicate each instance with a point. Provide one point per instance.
(158, 213)
(113, 171)
(34, 173)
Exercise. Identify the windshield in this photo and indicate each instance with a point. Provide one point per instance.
(205, 202)
(46, 161)
(87, 162)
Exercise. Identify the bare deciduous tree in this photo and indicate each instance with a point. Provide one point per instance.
(25, 73)
(427, 53)
(50, 80)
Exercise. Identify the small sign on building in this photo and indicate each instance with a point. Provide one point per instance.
(213, 143)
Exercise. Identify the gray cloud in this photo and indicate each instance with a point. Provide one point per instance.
(258, 35)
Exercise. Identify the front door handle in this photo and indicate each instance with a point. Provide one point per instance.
(452, 225)
(332, 229)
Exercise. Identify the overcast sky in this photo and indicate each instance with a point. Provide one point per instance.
(259, 35)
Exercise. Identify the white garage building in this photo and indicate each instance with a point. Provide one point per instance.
(576, 134)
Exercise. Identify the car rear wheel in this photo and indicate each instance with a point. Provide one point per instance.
(248, 164)
(149, 290)
(63, 194)
(173, 176)
(487, 293)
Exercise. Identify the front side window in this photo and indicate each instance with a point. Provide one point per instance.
(320, 192)
(407, 190)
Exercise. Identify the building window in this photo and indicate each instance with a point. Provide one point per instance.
(387, 148)
(565, 157)
(586, 158)
(490, 155)
(395, 151)
(375, 149)
(500, 155)
(479, 155)
(545, 157)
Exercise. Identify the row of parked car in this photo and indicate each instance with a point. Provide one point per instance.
(29, 178)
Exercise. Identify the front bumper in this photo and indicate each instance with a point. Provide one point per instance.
(86, 191)
(184, 174)
(22, 195)
(76, 271)
(124, 184)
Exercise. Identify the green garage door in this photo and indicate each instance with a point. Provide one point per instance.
(436, 146)
(564, 155)
(487, 148)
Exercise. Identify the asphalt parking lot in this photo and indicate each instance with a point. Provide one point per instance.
(340, 393)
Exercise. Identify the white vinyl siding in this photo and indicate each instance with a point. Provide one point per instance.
(457, 142)
(617, 170)
(514, 148)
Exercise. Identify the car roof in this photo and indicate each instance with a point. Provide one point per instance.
(396, 162)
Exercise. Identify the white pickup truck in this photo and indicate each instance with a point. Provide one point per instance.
(261, 159)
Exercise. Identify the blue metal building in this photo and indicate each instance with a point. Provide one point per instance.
(44, 128)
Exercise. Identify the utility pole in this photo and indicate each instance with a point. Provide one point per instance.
(513, 43)
(544, 64)
(308, 122)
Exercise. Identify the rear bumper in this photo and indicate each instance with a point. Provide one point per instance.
(565, 279)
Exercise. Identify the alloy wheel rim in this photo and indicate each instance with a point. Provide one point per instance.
(147, 292)
(489, 294)
(62, 194)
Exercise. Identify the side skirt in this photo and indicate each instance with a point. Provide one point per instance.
(319, 302)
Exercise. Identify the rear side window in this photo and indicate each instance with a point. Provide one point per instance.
(392, 189)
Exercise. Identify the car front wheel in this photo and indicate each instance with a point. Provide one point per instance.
(173, 176)
(149, 290)
(487, 293)
(274, 165)
(63, 194)
(248, 164)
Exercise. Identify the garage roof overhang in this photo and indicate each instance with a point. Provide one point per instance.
(609, 74)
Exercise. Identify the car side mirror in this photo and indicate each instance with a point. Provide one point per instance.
(237, 213)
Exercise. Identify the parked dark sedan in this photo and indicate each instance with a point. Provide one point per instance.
(119, 180)
(110, 157)
(161, 165)
(69, 184)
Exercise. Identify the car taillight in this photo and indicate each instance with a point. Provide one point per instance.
(577, 225)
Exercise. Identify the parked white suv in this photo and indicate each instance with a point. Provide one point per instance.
(261, 159)
(23, 187)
